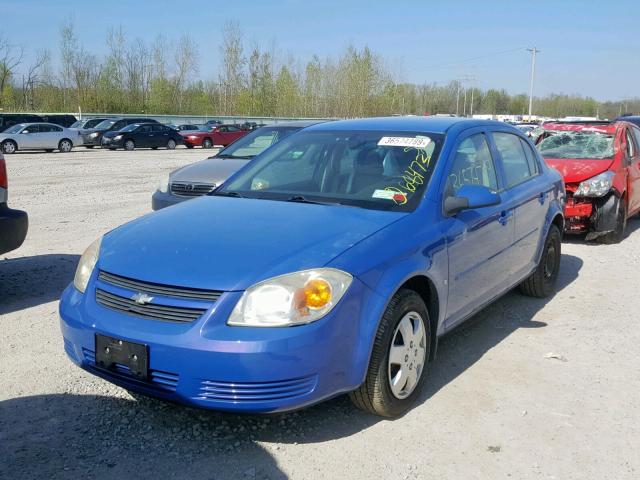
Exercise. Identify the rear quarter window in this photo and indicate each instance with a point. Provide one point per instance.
(515, 163)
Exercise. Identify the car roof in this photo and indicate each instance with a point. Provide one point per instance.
(587, 126)
(407, 124)
(296, 123)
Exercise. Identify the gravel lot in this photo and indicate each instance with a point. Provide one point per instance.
(527, 389)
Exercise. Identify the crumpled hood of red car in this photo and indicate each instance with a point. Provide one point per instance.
(575, 170)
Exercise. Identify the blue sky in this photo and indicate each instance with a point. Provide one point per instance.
(587, 46)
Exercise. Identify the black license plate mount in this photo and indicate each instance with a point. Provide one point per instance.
(111, 352)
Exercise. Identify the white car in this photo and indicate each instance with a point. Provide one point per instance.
(38, 136)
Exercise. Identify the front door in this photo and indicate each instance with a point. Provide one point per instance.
(633, 168)
(478, 240)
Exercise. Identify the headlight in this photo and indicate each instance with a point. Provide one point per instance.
(118, 137)
(292, 299)
(163, 185)
(596, 186)
(85, 266)
(93, 135)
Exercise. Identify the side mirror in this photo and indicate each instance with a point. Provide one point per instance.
(469, 197)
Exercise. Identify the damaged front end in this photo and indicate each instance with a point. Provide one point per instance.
(604, 219)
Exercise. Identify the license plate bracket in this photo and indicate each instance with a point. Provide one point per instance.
(112, 351)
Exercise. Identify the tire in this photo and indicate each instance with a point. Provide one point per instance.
(171, 144)
(9, 146)
(207, 143)
(621, 226)
(65, 145)
(542, 281)
(129, 145)
(377, 395)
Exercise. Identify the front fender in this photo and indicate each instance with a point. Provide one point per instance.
(556, 207)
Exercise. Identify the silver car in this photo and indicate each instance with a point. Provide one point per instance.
(38, 136)
(202, 177)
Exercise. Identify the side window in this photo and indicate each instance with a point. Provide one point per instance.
(119, 124)
(44, 128)
(635, 131)
(531, 157)
(631, 147)
(145, 129)
(158, 128)
(233, 129)
(514, 161)
(31, 129)
(473, 165)
(222, 129)
(55, 128)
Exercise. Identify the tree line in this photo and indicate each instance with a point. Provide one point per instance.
(162, 77)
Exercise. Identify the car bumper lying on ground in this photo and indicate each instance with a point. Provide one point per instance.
(13, 228)
(207, 363)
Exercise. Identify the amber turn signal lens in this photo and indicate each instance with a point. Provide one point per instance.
(317, 293)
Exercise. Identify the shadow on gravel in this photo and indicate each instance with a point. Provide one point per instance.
(29, 281)
(461, 348)
(95, 436)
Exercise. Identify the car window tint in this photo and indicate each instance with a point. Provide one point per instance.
(222, 129)
(145, 129)
(44, 128)
(473, 165)
(531, 157)
(635, 131)
(119, 124)
(232, 129)
(31, 129)
(157, 128)
(631, 147)
(514, 161)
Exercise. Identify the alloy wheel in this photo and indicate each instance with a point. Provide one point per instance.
(407, 355)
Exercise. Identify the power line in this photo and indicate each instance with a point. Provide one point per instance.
(489, 55)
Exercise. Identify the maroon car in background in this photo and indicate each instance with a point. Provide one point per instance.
(213, 135)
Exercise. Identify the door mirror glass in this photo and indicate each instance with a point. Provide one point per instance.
(470, 197)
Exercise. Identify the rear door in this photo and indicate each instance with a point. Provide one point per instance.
(478, 240)
(633, 168)
(527, 194)
(144, 137)
(160, 135)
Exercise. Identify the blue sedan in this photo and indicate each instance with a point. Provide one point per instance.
(331, 263)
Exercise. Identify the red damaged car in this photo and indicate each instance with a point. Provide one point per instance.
(212, 135)
(600, 164)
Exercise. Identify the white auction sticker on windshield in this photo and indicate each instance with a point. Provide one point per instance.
(414, 142)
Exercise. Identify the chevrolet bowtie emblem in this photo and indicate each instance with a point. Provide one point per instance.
(141, 298)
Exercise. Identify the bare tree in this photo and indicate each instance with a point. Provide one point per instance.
(232, 76)
(34, 78)
(186, 59)
(10, 58)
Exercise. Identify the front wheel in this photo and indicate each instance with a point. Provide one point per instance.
(617, 234)
(65, 145)
(399, 358)
(171, 144)
(129, 145)
(9, 146)
(543, 279)
(207, 143)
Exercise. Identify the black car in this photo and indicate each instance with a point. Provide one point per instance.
(142, 135)
(635, 119)
(93, 137)
(9, 119)
(213, 122)
(13, 223)
(88, 123)
(59, 119)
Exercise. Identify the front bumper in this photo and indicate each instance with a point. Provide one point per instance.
(577, 212)
(13, 228)
(209, 364)
(161, 200)
(108, 142)
(94, 141)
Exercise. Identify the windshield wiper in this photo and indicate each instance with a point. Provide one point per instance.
(223, 193)
(239, 157)
(301, 199)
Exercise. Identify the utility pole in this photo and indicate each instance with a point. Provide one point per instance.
(471, 107)
(533, 51)
(458, 98)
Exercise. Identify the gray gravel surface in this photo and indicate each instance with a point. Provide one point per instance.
(527, 389)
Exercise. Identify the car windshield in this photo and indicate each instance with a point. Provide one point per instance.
(206, 128)
(77, 124)
(582, 144)
(129, 128)
(105, 124)
(256, 142)
(377, 170)
(14, 128)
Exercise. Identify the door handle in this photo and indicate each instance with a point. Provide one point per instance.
(505, 216)
(542, 197)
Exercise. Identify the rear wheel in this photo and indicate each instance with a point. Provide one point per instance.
(129, 145)
(9, 146)
(542, 281)
(171, 144)
(207, 143)
(398, 361)
(617, 235)
(65, 145)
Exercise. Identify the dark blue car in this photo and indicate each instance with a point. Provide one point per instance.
(329, 264)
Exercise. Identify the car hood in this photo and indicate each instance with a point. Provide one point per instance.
(211, 170)
(111, 133)
(574, 170)
(228, 244)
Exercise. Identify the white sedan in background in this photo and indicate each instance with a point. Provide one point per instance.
(38, 136)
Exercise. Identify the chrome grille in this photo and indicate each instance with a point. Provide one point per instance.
(157, 289)
(188, 189)
(149, 310)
